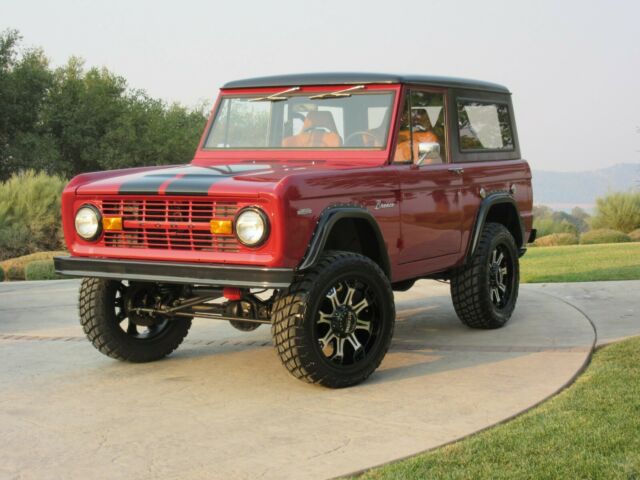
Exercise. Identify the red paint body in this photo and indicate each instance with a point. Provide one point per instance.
(427, 230)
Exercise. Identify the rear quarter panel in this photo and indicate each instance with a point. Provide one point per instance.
(496, 176)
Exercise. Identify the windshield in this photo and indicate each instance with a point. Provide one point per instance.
(329, 120)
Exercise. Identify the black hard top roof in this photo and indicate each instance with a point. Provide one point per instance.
(345, 78)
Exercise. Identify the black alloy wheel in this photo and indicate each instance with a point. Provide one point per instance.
(334, 324)
(347, 322)
(111, 321)
(485, 290)
(500, 273)
(140, 326)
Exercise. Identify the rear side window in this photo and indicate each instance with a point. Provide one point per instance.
(484, 126)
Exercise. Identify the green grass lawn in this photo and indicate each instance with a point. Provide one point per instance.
(581, 263)
(591, 430)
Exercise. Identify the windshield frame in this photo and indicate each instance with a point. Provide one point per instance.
(272, 153)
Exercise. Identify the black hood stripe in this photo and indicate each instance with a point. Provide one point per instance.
(193, 184)
(187, 180)
(150, 183)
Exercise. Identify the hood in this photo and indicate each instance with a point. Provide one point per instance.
(242, 178)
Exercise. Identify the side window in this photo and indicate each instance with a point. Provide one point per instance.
(423, 121)
(484, 126)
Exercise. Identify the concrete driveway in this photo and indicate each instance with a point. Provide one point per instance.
(222, 406)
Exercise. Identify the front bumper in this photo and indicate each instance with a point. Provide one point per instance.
(169, 272)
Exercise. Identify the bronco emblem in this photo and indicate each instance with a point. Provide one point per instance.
(380, 204)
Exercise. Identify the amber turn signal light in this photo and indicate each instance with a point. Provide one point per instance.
(221, 227)
(112, 223)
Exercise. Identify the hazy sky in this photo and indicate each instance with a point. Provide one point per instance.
(573, 66)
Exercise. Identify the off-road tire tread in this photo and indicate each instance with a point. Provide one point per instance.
(472, 307)
(92, 309)
(288, 333)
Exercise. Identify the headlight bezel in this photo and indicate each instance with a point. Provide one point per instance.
(265, 220)
(98, 215)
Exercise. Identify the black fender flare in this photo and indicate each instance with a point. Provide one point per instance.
(491, 200)
(326, 222)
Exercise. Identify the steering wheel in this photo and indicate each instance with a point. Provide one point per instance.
(350, 139)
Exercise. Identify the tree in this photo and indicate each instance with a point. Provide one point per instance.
(541, 211)
(81, 109)
(72, 120)
(151, 133)
(580, 214)
(548, 221)
(24, 83)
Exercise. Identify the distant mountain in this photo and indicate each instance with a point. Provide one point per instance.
(565, 190)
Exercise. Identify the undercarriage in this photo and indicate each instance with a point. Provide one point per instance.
(147, 304)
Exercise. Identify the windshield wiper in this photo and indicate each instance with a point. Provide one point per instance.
(339, 93)
(275, 97)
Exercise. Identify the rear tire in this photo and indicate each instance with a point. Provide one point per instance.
(110, 329)
(484, 292)
(334, 324)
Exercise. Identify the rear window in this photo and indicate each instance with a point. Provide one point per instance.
(484, 126)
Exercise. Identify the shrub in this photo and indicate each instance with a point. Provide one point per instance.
(1, 274)
(556, 239)
(30, 214)
(618, 211)
(548, 221)
(603, 235)
(548, 225)
(15, 272)
(40, 270)
(635, 235)
(14, 267)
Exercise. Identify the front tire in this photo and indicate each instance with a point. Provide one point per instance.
(484, 292)
(120, 335)
(334, 324)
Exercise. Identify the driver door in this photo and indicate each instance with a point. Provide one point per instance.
(431, 212)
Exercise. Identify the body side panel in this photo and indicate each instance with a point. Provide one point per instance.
(493, 177)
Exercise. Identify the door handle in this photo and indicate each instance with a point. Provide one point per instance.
(457, 170)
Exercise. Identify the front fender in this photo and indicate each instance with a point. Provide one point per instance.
(328, 220)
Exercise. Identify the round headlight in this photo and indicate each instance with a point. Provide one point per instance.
(87, 222)
(252, 227)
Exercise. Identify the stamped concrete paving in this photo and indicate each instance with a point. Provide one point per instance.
(223, 407)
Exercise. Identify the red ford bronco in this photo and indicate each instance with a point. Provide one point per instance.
(310, 199)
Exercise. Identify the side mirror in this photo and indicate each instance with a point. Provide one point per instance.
(428, 151)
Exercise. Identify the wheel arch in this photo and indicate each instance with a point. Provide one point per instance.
(501, 208)
(348, 228)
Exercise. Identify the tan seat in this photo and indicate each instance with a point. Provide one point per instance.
(403, 147)
(422, 132)
(319, 131)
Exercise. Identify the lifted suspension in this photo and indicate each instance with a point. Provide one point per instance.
(193, 302)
